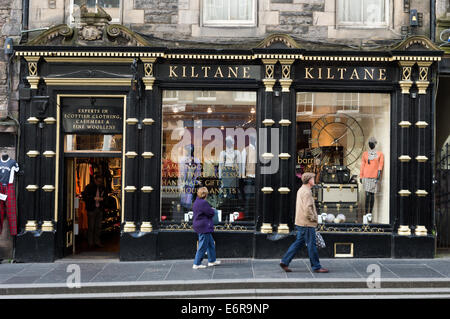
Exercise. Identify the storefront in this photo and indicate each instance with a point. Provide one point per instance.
(156, 123)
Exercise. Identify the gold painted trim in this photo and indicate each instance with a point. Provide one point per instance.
(129, 227)
(148, 82)
(269, 83)
(31, 225)
(130, 189)
(405, 86)
(405, 124)
(421, 158)
(283, 229)
(267, 190)
(348, 58)
(404, 193)
(147, 155)
(285, 84)
(48, 188)
(421, 230)
(422, 86)
(415, 58)
(32, 154)
(132, 121)
(49, 154)
(350, 254)
(33, 120)
(29, 56)
(47, 226)
(32, 188)
(266, 228)
(284, 156)
(147, 189)
(421, 193)
(49, 120)
(146, 227)
(209, 57)
(404, 158)
(268, 122)
(283, 190)
(89, 81)
(34, 81)
(148, 121)
(421, 124)
(88, 60)
(58, 124)
(404, 230)
(131, 154)
(267, 156)
(284, 122)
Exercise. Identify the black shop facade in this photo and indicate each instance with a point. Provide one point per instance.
(157, 123)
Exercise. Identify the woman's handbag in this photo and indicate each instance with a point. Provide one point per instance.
(320, 243)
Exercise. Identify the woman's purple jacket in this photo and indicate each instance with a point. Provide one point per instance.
(203, 217)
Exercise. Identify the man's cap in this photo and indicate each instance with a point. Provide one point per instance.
(307, 176)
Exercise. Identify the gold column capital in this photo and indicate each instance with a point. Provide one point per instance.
(148, 82)
(283, 229)
(47, 226)
(285, 84)
(146, 227)
(266, 228)
(404, 230)
(422, 86)
(31, 225)
(269, 83)
(129, 227)
(421, 230)
(405, 86)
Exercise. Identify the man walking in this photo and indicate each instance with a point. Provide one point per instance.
(306, 223)
(94, 195)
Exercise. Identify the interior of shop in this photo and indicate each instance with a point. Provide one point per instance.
(110, 172)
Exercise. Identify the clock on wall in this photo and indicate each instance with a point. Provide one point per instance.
(340, 132)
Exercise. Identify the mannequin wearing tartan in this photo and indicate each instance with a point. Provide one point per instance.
(8, 167)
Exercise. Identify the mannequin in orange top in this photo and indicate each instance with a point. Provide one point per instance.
(370, 173)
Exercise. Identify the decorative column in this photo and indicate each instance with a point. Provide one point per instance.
(403, 144)
(267, 123)
(149, 164)
(424, 142)
(130, 162)
(32, 161)
(284, 155)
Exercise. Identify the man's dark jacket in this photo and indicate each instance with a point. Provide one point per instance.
(89, 194)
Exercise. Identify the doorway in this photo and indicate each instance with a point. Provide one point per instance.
(95, 231)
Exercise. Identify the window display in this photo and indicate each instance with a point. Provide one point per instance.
(93, 143)
(343, 138)
(209, 139)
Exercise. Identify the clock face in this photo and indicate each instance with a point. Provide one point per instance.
(340, 133)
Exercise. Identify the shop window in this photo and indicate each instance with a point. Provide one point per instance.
(305, 103)
(93, 143)
(112, 7)
(229, 12)
(208, 143)
(363, 13)
(333, 142)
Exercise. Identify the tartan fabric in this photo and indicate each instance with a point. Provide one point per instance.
(9, 207)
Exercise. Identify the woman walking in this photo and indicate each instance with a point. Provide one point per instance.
(204, 226)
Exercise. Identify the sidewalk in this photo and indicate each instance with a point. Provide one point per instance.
(111, 271)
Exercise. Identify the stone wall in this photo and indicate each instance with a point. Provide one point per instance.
(313, 20)
(10, 26)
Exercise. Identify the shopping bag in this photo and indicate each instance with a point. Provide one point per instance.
(320, 243)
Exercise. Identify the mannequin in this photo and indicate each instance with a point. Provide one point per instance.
(370, 173)
(229, 168)
(8, 167)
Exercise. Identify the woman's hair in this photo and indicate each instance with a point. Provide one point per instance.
(202, 192)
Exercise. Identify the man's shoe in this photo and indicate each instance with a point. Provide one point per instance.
(198, 266)
(285, 267)
(217, 262)
(322, 270)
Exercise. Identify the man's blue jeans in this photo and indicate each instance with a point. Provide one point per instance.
(305, 235)
(205, 244)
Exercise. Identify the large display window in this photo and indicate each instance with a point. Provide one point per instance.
(345, 139)
(209, 139)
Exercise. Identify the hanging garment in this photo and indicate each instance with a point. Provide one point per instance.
(8, 207)
(82, 216)
(7, 170)
(84, 174)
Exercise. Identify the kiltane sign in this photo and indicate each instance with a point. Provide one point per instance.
(343, 73)
(213, 72)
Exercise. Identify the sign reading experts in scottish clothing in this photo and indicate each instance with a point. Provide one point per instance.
(92, 119)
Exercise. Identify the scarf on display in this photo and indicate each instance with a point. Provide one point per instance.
(372, 155)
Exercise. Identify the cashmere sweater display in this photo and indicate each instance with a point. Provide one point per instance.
(371, 170)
